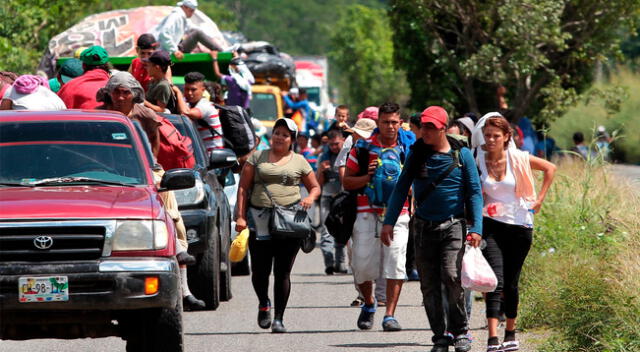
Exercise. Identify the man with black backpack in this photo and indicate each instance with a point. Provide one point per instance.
(445, 183)
(385, 151)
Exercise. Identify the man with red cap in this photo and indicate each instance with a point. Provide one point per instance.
(445, 181)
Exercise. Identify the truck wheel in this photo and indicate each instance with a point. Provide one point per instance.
(205, 278)
(156, 330)
(225, 274)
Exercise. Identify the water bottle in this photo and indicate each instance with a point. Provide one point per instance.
(531, 211)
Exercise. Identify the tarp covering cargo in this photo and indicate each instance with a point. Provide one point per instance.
(268, 65)
(117, 31)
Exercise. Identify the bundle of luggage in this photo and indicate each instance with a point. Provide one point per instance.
(267, 63)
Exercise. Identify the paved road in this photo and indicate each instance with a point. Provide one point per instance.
(318, 319)
(631, 172)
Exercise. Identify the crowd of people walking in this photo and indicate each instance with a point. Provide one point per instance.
(424, 186)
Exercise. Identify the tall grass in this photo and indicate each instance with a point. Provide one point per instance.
(588, 115)
(582, 277)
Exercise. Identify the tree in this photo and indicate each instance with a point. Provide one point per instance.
(458, 52)
(299, 27)
(362, 55)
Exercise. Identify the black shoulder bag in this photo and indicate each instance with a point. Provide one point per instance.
(288, 222)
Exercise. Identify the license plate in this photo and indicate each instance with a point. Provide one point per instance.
(43, 289)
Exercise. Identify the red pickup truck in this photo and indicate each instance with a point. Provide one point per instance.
(86, 247)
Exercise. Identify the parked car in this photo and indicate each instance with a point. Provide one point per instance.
(207, 217)
(86, 247)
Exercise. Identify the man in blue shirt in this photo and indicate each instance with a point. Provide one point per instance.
(303, 105)
(439, 223)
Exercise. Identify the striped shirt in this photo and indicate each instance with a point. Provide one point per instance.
(352, 164)
(312, 158)
(211, 116)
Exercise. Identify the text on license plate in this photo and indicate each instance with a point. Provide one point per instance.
(43, 289)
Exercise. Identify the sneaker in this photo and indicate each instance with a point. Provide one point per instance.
(440, 348)
(358, 302)
(441, 344)
(264, 316)
(413, 275)
(340, 269)
(278, 327)
(462, 344)
(510, 346)
(389, 323)
(190, 303)
(494, 348)
(365, 320)
(329, 270)
(185, 258)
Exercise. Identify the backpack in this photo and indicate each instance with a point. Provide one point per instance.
(239, 133)
(344, 206)
(421, 152)
(176, 150)
(383, 181)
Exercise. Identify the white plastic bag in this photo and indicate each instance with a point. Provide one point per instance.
(477, 274)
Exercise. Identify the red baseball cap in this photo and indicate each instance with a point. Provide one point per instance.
(435, 115)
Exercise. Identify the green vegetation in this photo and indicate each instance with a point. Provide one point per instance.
(362, 56)
(581, 279)
(595, 111)
(543, 51)
(28, 25)
(298, 27)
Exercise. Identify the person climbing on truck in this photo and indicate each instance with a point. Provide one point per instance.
(177, 35)
(238, 81)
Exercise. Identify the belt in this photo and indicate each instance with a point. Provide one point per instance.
(437, 224)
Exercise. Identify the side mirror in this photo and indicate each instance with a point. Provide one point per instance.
(175, 179)
(222, 158)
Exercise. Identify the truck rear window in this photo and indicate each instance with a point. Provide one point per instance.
(32, 151)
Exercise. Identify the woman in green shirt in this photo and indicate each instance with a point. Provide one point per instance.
(280, 170)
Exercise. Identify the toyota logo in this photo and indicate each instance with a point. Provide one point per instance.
(43, 242)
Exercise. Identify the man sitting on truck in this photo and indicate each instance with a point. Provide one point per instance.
(145, 46)
(159, 94)
(178, 36)
(196, 107)
(80, 92)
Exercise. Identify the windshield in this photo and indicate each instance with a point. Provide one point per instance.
(264, 106)
(313, 94)
(75, 150)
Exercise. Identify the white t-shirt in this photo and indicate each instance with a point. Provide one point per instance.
(341, 160)
(211, 116)
(500, 201)
(42, 99)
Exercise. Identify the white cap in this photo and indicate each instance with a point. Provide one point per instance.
(189, 3)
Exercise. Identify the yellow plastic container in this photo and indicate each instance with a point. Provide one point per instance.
(239, 246)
